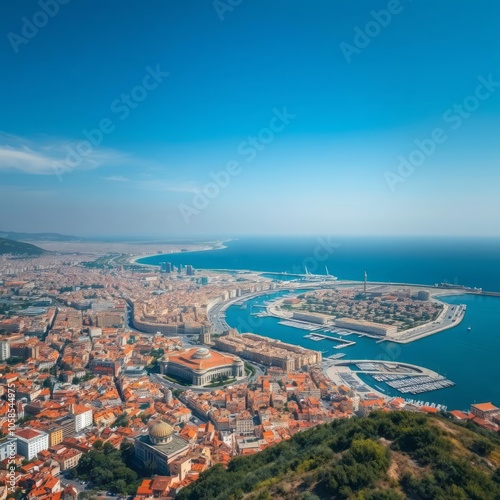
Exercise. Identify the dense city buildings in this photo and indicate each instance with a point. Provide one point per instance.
(369, 312)
(98, 351)
(267, 351)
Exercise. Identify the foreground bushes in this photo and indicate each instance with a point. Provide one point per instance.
(347, 458)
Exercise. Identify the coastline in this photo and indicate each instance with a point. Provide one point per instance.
(218, 245)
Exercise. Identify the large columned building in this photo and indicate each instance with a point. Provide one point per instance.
(201, 366)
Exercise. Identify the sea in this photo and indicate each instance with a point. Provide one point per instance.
(468, 358)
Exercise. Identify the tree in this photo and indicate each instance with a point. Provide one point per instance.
(122, 421)
(127, 450)
(102, 476)
(108, 448)
(98, 444)
(121, 486)
(47, 383)
(482, 447)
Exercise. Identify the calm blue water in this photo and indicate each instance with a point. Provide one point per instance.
(470, 359)
(469, 262)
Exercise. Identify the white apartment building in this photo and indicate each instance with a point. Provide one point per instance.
(30, 442)
(4, 350)
(82, 415)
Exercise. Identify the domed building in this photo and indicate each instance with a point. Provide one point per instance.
(160, 447)
(201, 366)
(161, 433)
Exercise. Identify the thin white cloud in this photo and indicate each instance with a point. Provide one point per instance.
(55, 157)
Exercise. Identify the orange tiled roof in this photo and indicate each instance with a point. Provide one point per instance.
(429, 409)
(459, 414)
(28, 433)
(485, 407)
(186, 358)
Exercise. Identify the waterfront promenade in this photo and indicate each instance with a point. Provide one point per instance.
(450, 317)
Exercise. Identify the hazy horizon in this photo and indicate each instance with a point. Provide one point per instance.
(194, 118)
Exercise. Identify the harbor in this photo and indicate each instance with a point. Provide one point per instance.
(298, 324)
(401, 377)
(412, 385)
(320, 336)
(478, 346)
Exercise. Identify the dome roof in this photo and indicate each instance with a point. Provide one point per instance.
(202, 353)
(161, 430)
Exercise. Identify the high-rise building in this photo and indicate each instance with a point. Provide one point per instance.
(366, 277)
(82, 415)
(190, 270)
(4, 350)
(166, 267)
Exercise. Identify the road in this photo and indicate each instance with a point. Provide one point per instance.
(172, 385)
(84, 488)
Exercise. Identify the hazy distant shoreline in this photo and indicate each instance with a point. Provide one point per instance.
(218, 245)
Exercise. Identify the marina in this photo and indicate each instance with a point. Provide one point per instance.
(409, 383)
(320, 336)
(340, 355)
(299, 325)
(313, 338)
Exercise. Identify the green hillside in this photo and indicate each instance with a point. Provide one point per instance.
(19, 248)
(12, 235)
(385, 456)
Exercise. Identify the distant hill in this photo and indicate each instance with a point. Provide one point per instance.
(11, 235)
(19, 248)
(386, 456)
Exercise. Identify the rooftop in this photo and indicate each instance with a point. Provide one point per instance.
(485, 407)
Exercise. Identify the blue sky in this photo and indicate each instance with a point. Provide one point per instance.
(310, 108)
